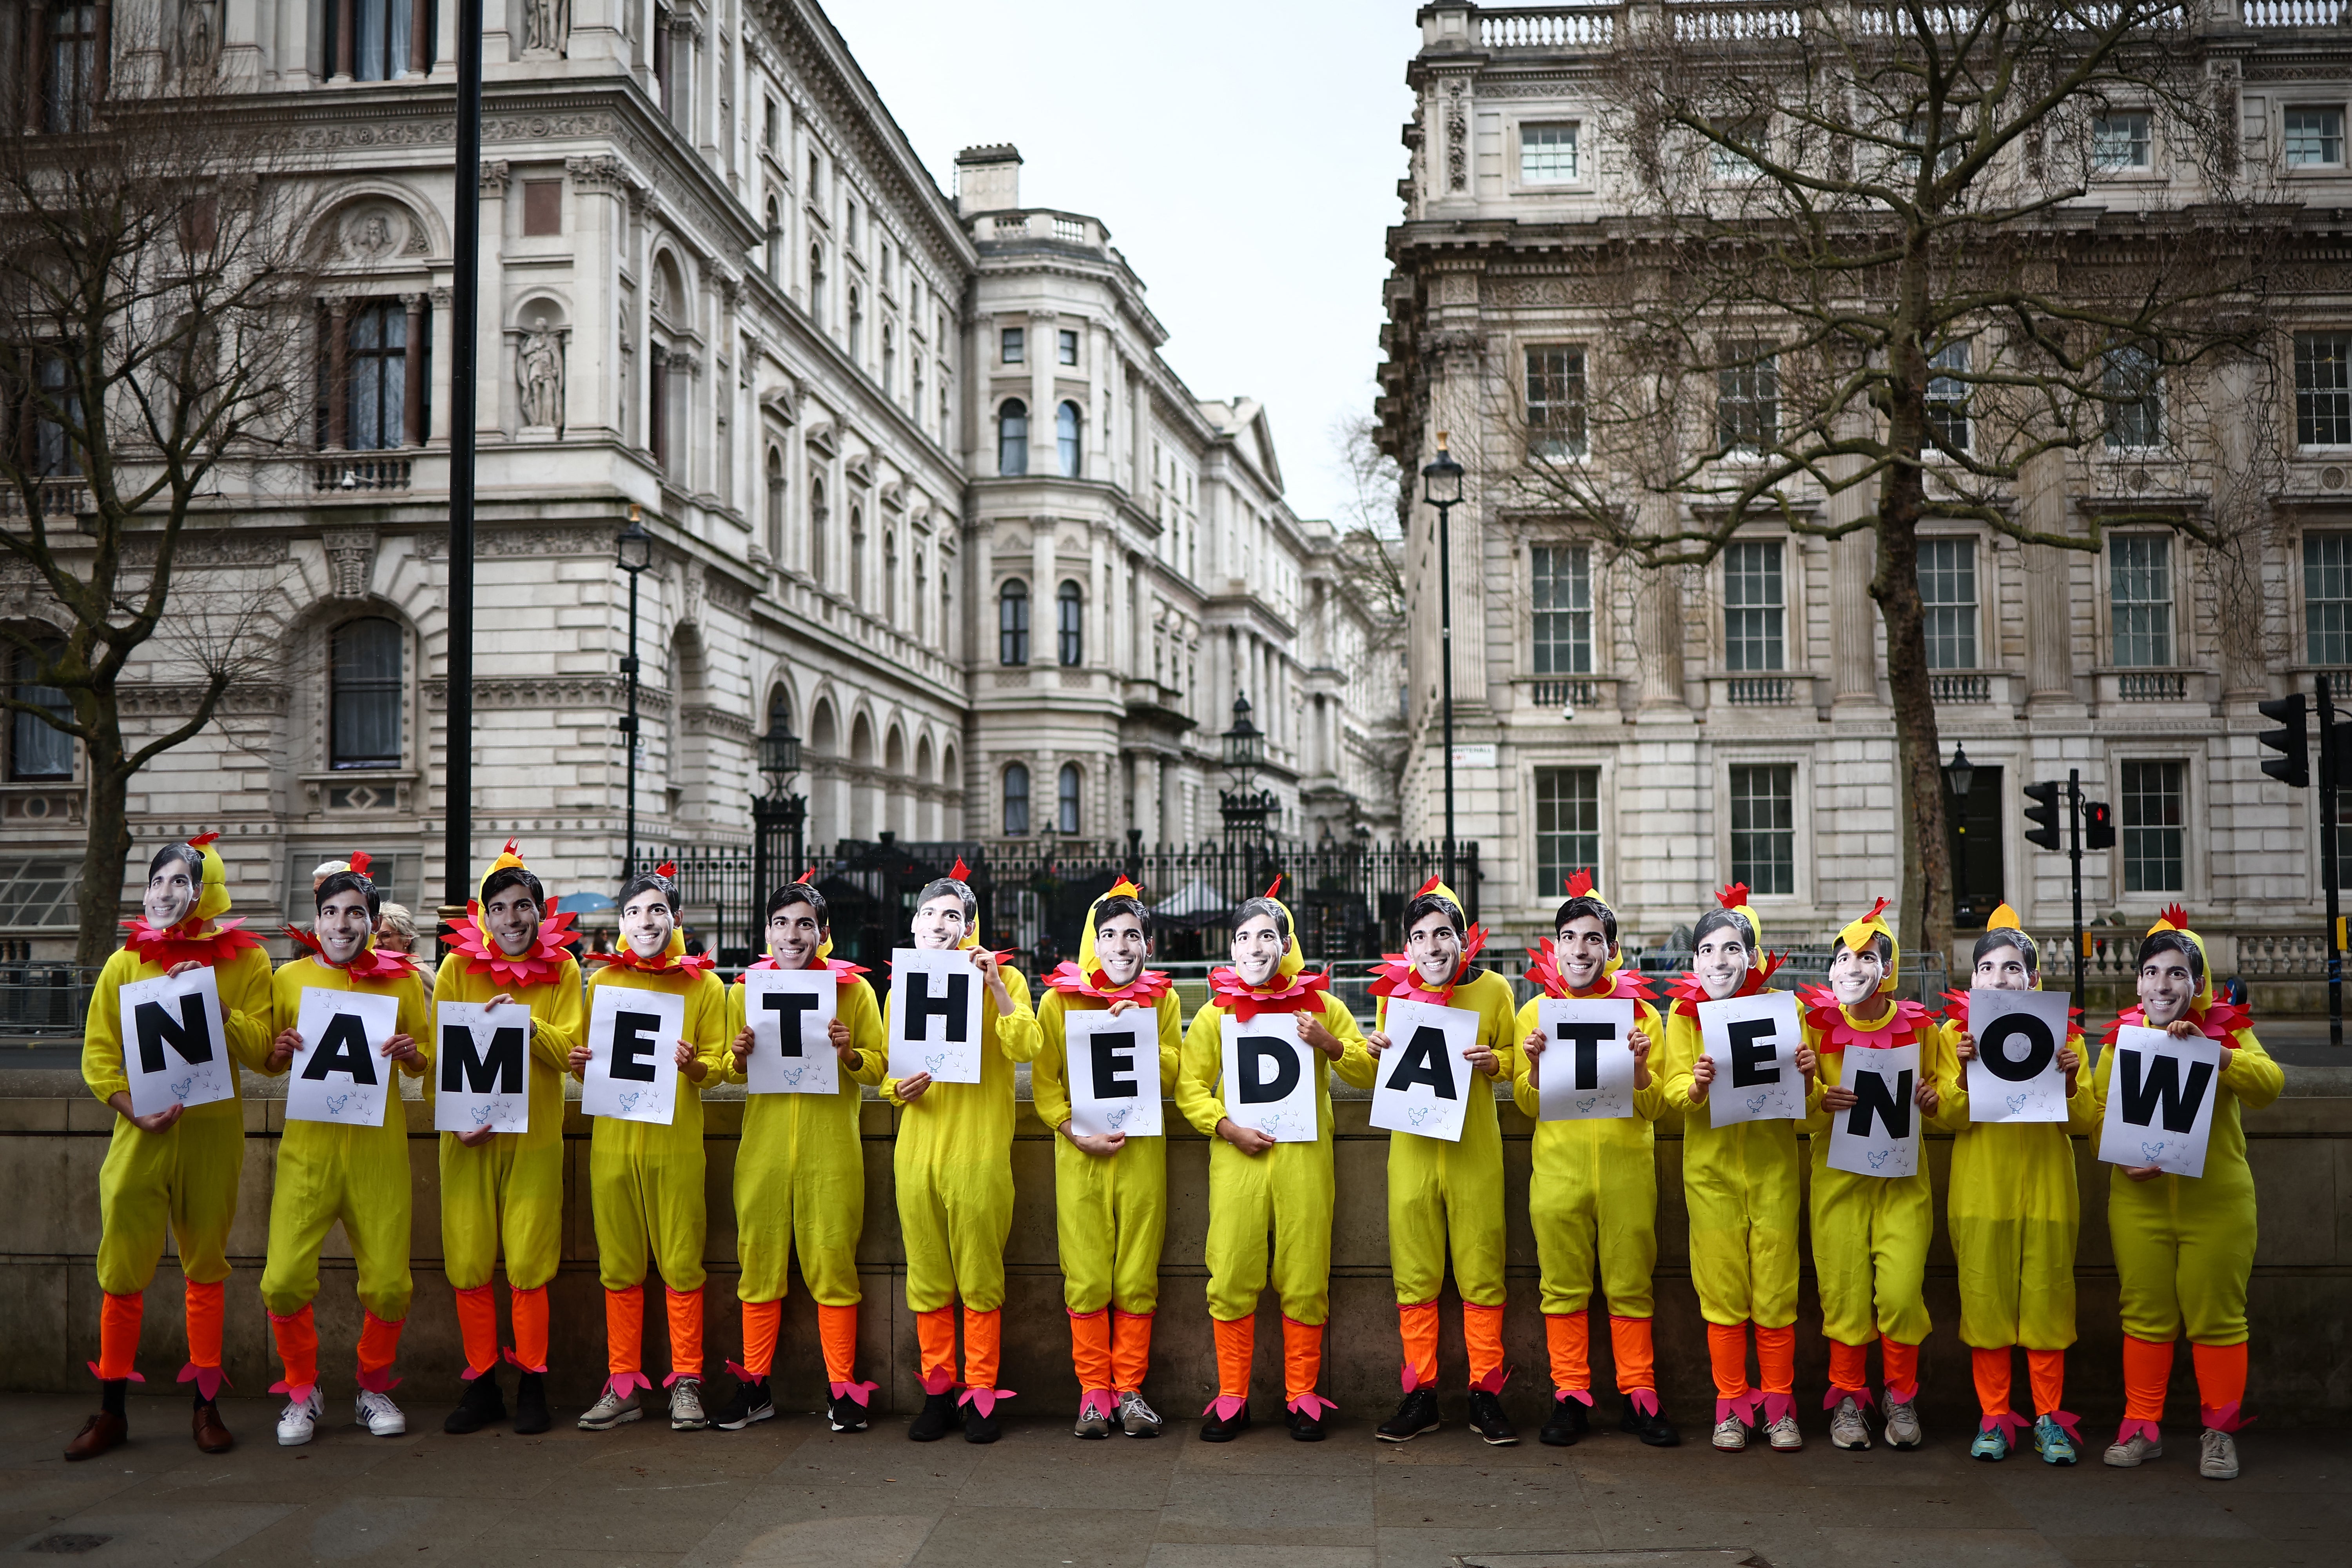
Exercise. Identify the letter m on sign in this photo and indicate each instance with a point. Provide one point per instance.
(498, 1071)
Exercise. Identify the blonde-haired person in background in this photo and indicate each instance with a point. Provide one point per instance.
(396, 932)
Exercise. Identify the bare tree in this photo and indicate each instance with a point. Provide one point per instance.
(151, 326)
(1893, 263)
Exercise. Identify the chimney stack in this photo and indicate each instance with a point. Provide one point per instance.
(988, 179)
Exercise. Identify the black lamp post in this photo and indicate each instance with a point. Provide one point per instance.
(777, 815)
(458, 748)
(1440, 487)
(1959, 776)
(633, 552)
(1244, 806)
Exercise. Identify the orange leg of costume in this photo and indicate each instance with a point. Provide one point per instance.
(119, 1318)
(205, 1309)
(1900, 1363)
(983, 1334)
(1727, 1355)
(1849, 1375)
(837, 1332)
(2048, 1371)
(530, 1309)
(2220, 1383)
(625, 1336)
(297, 1351)
(1090, 1359)
(2148, 1369)
(1637, 1362)
(1482, 1336)
(935, 1332)
(1417, 1327)
(1569, 1337)
(379, 1346)
(1991, 1369)
(1131, 1350)
(685, 1333)
(1302, 1367)
(478, 1326)
(1236, 1345)
(762, 1320)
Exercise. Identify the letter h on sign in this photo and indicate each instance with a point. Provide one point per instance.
(952, 1006)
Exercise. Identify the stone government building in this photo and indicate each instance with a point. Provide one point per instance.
(922, 488)
(1682, 731)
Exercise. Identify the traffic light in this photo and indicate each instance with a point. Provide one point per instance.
(2292, 766)
(2043, 814)
(2098, 825)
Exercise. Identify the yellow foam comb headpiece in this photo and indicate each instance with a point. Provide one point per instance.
(2004, 918)
(212, 898)
(509, 859)
(1857, 935)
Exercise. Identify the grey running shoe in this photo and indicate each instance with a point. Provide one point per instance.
(1848, 1428)
(610, 1410)
(1902, 1425)
(1091, 1422)
(1787, 1437)
(685, 1405)
(2134, 1451)
(1730, 1435)
(2217, 1456)
(1135, 1418)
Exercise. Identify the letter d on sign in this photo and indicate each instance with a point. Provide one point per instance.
(1260, 1053)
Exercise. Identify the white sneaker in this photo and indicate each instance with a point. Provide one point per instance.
(1847, 1428)
(1902, 1425)
(1135, 1418)
(1787, 1437)
(2217, 1456)
(2129, 1454)
(1730, 1435)
(378, 1415)
(612, 1409)
(300, 1419)
(685, 1405)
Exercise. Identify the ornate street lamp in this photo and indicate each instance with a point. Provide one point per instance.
(777, 815)
(1440, 487)
(1244, 806)
(1959, 774)
(633, 552)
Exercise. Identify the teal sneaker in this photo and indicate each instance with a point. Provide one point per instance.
(2049, 1440)
(1991, 1445)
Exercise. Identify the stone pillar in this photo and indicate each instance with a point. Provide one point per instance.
(1853, 628)
(420, 36)
(346, 24)
(1658, 632)
(2049, 616)
(339, 372)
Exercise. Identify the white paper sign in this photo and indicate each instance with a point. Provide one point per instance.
(481, 1067)
(1270, 1077)
(1586, 1071)
(1880, 1135)
(175, 1048)
(340, 1072)
(1753, 1041)
(633, 1054)
(2015, 1076)
(2160, 1094)
(935, 1022)
(1112, 1068)
(1424, 1087)
(791, 1050)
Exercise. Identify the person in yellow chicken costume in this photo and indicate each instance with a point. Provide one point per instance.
(1740, 1183)
(330, 1171)
(2014, 1212)
(953, 1163)
(1442, 1191)
(800, 1172)
(507, 1185)
(1259, 1186)
(646, 1178)
(1593, 1190)
(1110, 1190)
(1871, 1233)
(2184, 1245)
(174, 1169)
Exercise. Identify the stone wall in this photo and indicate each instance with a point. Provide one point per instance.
(53, 1136)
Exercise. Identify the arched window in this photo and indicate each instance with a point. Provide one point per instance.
(776, 505)
(775, 238)
(35, 749)
(365, 691)
(1069, 612)
(889, 577)
(1012, 437)
(816, 284)
(889, 362)
(922, 583)
(856, 325)
(1066, 809)
(1016, 800)
(819, 517)
(1012, 623)
(1066, 438)
(857, 556)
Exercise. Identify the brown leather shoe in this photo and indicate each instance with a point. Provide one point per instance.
(102, 1431)
(211, 1435)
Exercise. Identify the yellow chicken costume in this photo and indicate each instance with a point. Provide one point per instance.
(1110, 1212)
(1871, 1233)
(185, 1178)
(509, 1187)
(645, 1180)
(800, 1181)
(953, 1165)
(1592, 1191)
(2184, 1245)
(2014, 1212)
(1284, 1192)
(1740, 1183)
(1442, 1191)
(357, 1176)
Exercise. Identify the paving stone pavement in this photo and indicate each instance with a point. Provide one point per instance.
(788, 1492)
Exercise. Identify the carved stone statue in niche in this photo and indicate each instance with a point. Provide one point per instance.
(538, 375)
(199, 35)
(369, 235)
(546, 24)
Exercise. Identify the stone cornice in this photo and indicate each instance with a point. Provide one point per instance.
(551, 691)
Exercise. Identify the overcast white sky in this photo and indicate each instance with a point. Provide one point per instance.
(1244, 153)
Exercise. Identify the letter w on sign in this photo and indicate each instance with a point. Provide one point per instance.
(1879, 1136)
(935, 1013)
(174, 1049)
(1425, 1081)
(2160, 1094)
(481, 1067)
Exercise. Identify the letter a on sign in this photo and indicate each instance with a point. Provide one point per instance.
(1112, 1068)
(2160, 1101)
(2015, 1076)
(935, 1017)
(175, 1050)
(1425, 1082)
(1753, 1040)
(632, 1054)
(1268, 1082)
(481, 1067)
(340, 1074)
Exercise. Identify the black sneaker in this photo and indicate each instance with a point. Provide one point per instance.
(980, 1426)
(1654, 1430)
(530, 1405)
(931, 1422)
(749, 1403)
(1566, 1423)
(846, 1415)
(1487, 1419)
(1417, 1415)
(1306, 1428)
(1224, 1429)
(481, 1404)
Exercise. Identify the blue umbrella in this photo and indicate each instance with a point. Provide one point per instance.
(581, 903)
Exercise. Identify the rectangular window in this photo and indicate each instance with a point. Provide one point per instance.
(1947, 396)
(2315, 137)
(2139, 590)
(1568, 826)
(542, 206)
(1014, 345)
(1069, 347)
(70, 75)
(2121, 140)
(35, 749)
(1563, 609)
(2134, 400)
(1764, 829)
(2323, 389)
(768, 126)
(1548, 153)
(1947, 585)
(1747, 401)
(2328, 598)
(1752, 607)
(1555, 402)
(1726, 165)
(2154, 813)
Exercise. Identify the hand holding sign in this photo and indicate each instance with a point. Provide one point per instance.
(1113, 1069)
(1753, 1041)
(1423, 1085)
(935, 1013)
(1585, 1072)
(792, 1047)
(2160, 1094)
(481, 1072)
(1879, 1134)
(340, 1074)
(1268, 1082)
(174, 1049)
(632, 1055)
(2014, 1075)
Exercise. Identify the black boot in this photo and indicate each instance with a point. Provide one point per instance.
(749, 1403)
(1566, 1423)
(482, 1405)
(1306, 1428)
(1654, 1429)
(530, 1405)
(1487, 1419)
(931, 1422)
(979, 1425)
(845, 1414)
(1224, 1429)
(1417, 1415)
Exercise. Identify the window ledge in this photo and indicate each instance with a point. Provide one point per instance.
(360, 790)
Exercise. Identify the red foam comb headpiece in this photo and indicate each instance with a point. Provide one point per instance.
(960, 871)
(511, 849)
(1429, 886)
(361, 861)
(1734, 897)
(807, 875)
(1875, 910)
(1273, 889)
(1579, 882)
(2176, 917)
(666, 868)
(201, 840)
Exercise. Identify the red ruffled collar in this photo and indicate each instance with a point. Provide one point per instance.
(1901, 1025)
(182, 943)
(372, 962)
(1395, 977)
(1543, 971)
(2218, 1022)
(481, 955)
(1686, 993)
(1149, 986)
(1303, 993)
(1955, 1013)
(660, 963)
(844, 972)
